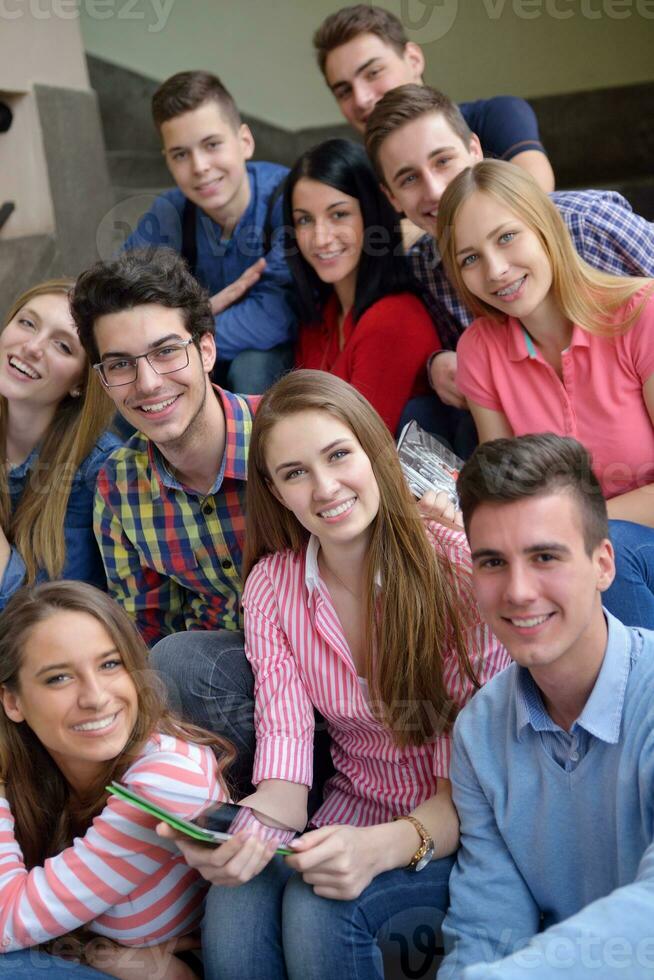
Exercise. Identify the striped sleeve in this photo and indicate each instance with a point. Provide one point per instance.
(118, 854)
(487, 655)
(283, 712)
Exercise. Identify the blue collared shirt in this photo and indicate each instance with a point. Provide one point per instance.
(550, 843)
(265, 317)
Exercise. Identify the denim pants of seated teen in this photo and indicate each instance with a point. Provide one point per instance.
(276, 928)
(631, 596)
(34, 964)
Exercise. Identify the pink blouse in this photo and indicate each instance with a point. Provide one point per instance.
(300, 659)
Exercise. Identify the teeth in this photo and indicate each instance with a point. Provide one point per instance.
(159, 407)
(533, 621)
(329, 255)
(513, 288)
(24, 368)
(95, 726)
(340, 509)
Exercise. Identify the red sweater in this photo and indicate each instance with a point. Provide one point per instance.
(383, 355)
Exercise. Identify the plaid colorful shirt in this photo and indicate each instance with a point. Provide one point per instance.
(605, 232)
(173, 557)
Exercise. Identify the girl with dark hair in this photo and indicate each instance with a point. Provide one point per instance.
(355, 607)
(360, 315)
(54, 440)
(79, 709)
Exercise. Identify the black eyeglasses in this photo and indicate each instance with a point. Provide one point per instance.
(115, 371)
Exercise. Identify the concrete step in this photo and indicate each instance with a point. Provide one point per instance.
(24, 262)
(138, 168)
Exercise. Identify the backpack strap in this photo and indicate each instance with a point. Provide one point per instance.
(189, 250)
(268, 221)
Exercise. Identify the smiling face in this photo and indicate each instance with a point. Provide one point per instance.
(77, 697)
(500, 259)
(206, 157)
(329, 230)
(362, 70)
(321, 474)
(41, 358)
(167, 408)
(419, 160)
(536, 585)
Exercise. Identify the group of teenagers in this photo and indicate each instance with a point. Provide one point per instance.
(216, 584)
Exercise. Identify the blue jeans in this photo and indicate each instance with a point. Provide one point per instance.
(631, 596)
(253, 371)
(34, 964)
(209, 683)
(276, 928)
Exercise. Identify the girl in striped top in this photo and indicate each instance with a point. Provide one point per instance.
(79, 709)
(356, 608)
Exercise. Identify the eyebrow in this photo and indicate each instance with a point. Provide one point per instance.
(335, 204)
(183, 146)
(67, 666)
(409, 167)
(358, 71)
(323, 451)
(155, 343)
(533, 549)
(28, 309)
(491, 234)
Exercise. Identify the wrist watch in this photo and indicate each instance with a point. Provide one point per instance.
(425, 852)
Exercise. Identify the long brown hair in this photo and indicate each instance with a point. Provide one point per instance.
(45, 817)
(583, 294)
(36, 527)
(423, 607)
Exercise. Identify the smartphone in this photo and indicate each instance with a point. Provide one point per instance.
(210, 827)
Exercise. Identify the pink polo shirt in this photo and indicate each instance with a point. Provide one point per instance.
(598, 401)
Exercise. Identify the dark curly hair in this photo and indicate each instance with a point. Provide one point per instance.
(133, 279)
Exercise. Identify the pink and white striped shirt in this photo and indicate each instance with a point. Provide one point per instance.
(300, 659)
(120, 879)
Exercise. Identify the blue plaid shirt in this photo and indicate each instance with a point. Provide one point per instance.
(605, 232)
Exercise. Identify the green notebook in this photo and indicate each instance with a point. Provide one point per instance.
(186, 827)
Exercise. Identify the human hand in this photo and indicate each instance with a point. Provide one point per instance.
(232, 863)
(437, 506)
(442, 374)
(237, 289)
(339, 861)
(133, 963)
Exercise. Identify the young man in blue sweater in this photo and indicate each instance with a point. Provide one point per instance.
(225, 218)
(553, 762)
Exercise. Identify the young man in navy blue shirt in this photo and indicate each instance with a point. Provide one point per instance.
(553, 760)
(363, 52)
(225, 218)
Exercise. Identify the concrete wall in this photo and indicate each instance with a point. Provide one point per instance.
(262, 48)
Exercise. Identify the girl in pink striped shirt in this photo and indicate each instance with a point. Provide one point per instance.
(354, 607)
(79, 709)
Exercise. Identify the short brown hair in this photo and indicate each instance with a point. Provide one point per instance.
(402, 105)
(506, 470)
(348, 23)
(186, 91)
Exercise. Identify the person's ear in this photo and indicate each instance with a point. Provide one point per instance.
(604, 559)
(415, 59)
(246, 140)
(208, 354)
(11, 704)
(475, 149)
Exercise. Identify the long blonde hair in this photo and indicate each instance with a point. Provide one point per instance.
(38, 794)
(36, 528)
(583, 294)
(423, 611)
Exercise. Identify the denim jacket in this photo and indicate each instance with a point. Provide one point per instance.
(83, 561)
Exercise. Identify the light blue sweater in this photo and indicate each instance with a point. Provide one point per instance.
(570, 852)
